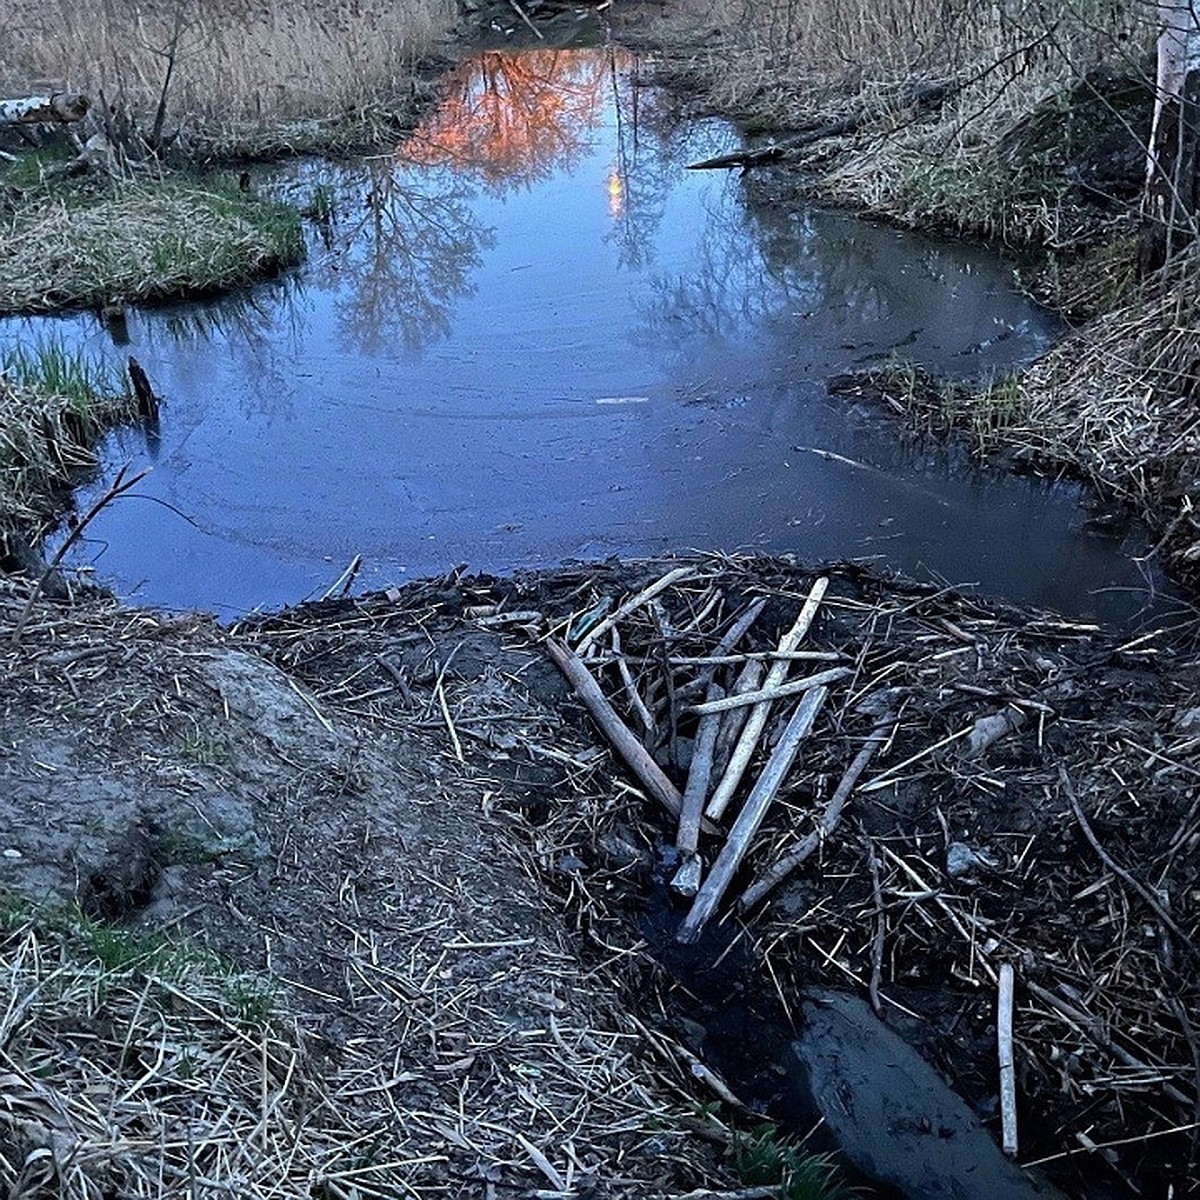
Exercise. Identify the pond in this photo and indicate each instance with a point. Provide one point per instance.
(531, 334)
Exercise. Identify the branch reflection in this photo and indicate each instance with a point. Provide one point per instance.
(512, 118)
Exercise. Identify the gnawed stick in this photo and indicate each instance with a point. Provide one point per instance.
(751, 817)
(757, 720)
(733, 722)
(805, 847)
(732, 660)
(687, 879)
(1004, 1046)
(765, 695)
(678, 575)
(636, 756)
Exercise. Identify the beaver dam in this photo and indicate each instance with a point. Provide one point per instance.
(373, 813)
(696, 876)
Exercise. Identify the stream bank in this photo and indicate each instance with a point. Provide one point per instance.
(1028, 133)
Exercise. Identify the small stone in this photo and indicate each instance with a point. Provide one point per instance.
(11, 853)
(961, 860)
(1188, 721)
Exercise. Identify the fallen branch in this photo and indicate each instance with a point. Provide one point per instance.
(921, 95)
(751, 817)
(828, 823)
(119, 486)
(757, 720)
(1004, 1045)
(634, 602)
(61, 108)
(636, 756)
(767, 694)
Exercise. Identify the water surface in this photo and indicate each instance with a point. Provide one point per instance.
(531, 335)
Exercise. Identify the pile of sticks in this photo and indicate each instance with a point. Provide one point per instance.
(736, 699)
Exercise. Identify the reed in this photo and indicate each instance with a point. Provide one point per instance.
(230, 64)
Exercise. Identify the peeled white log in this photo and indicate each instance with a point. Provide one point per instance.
(59, 109)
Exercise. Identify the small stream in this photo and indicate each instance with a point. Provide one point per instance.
(531, 335)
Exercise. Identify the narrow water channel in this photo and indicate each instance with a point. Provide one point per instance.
(530, 334)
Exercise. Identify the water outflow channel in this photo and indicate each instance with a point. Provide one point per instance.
(531, 334)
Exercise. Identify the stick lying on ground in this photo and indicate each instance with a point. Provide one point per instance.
(634, 602)
(765, 695)
(757, 721)
(828, 823)
(636, 756)
(752, 814)
(1004, 1044)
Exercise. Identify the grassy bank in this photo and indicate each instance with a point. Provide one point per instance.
(976, 119)
(54, 407)
(139, 241)
(218, 79)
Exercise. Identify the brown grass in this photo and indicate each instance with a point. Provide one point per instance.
(235, 64)
(141, 243)
(784, 65)
(46, 442)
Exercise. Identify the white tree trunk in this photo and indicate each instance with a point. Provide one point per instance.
(1173, 161)
(58, 109)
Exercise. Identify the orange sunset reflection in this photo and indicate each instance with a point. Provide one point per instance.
(517, 116)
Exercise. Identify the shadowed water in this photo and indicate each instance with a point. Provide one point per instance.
(532, 335)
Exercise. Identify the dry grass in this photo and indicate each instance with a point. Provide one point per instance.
(140, 243)
(421, 1024)
(46, 441)
(236, 66)
(1118, 401)
(786, 65)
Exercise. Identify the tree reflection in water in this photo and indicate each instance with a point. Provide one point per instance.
(512, 118)
(403, 254)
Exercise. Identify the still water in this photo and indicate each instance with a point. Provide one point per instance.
(530, 334)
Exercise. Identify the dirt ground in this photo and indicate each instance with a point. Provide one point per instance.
(165, 776)
(395, 809)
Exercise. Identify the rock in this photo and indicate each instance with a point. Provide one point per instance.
(894, 1118)
(962, 859)
(1188, 722)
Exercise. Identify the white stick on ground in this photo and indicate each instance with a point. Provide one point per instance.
(805, 847)
(751, 817)
(1008, 1077)
(757, 720)
(764, 695)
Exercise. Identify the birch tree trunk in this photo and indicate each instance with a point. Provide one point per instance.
(60, 109)
(1172, 196)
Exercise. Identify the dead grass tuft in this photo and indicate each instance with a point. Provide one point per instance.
(142, 242)
(1119, 402)
(46, 441)
(234, 65)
